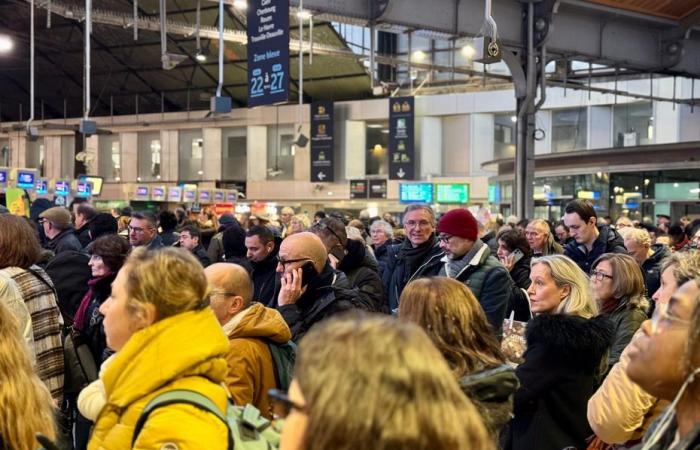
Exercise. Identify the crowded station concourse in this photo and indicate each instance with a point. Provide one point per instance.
(349, 225)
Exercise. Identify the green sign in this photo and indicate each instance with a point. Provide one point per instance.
(452, 193)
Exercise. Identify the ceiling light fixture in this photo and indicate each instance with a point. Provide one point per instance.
(6, 43)
(303, 14)
(240, 4)
(201, 57)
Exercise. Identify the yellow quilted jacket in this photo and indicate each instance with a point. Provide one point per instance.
(186, 351)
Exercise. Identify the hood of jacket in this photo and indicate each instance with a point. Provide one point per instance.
(357, 256)
(260, 322)
(573, 340)
(660, 252)
(187, 344)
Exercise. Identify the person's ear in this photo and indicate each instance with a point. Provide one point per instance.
(147, 316)
(270, 246)
(565, 292)
(236, 305)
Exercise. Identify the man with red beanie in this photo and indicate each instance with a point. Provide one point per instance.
(468, 260)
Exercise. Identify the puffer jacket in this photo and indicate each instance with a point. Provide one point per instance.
(165, 356)
(620, 410)
(362, 271)
(560, 371)
(491, 390)
(608, 241)
(627, 318)
(251, 370)
(405, 263)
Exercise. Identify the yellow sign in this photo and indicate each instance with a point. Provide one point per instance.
(17, 202)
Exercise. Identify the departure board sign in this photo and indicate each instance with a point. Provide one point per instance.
(158, 193)
(204, 196)
(219, 196)
(401, 151)
(232, 196)
(190, 195)
(452, 193)
(3, 175)
(83, 189)
(416, 193)
(142, 193)
(322, 142)
(358, 188)
(96, 183)
(268, 52)
(175, 194)
(377, 188)
(62, 188)
(42, 186)
(26, 179)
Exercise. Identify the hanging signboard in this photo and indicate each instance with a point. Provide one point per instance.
(204, 196)
(158, 193)
(358, 188)
(377, 188)
(401, 151)
(142, 193)
(322, 142)
(416, 193)
(268, 52)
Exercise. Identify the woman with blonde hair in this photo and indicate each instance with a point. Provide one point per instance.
(26, 403)
(167, 338)
(372, 382)
(453, 319)
(618, 286)
(297, 224)
(566, 346)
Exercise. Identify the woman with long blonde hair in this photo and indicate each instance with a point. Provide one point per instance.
(453, 319)
(27, 407)
(373, 382)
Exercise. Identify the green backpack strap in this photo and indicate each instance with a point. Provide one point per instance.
(180, 396)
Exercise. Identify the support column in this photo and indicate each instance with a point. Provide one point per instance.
(212, 154)
(257, 153)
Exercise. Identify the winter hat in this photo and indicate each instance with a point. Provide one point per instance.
(459, 222)
(226, 218)
(57, 215)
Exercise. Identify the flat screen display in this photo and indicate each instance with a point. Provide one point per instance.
(62, 188)
(3, 176)
(42, 186)
(26, 180)
(204, 196)
(142, 191)
(175, 194)
(96, 183)
(416, 193)
(83, 189)
(158, 193)
(190, 196)
(452, 193)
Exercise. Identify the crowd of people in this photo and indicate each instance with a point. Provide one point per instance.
(129, 329)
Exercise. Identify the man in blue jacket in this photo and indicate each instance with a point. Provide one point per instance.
(467, 259)
(590, 240)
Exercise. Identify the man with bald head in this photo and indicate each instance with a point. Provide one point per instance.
(311, 289)
(249, 326)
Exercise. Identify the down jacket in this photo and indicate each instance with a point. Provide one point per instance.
(362, 271)
(165, 356)
(561, 369)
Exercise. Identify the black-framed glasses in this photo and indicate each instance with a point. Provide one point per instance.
(600, 276)
(284, 262)
(282, 405)
(445, 238)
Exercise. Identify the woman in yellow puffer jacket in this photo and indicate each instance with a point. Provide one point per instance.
(166, 338)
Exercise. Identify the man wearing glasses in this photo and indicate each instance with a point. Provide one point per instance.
(417, 256)
(311, 289)
(468, 259)
(59, 230)
(143, 230)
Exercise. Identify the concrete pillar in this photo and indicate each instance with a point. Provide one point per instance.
(52, 157)
(169, 155)
(354, 148)
(429, 146)
(257, 153)
(455, 144)
(481, 142)
(212, 153)
(129, 149)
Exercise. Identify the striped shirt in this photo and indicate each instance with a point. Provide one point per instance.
(42, 304)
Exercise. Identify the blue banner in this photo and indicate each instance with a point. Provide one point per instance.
(401, 151)
(322, 142)
(268, 52)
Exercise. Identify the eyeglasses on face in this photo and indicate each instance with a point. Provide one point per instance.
(662, 316)
(284, 262)
(445, 238)
(417, 223)
(282, 405)
(599, 276)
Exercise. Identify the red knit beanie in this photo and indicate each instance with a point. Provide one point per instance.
(459, 222)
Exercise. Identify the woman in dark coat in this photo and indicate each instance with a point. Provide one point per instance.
(563, 363)
(515, 254)
(451, 316)
(381, 234)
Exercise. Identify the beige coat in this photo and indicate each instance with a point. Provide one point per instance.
(621, 410)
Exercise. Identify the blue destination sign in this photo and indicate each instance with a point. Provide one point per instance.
(268, 52)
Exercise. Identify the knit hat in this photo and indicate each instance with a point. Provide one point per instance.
(226, 218)
(459, 222)
(57, 215)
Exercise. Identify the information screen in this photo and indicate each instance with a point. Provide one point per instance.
(452, 193)
(42, 186)
(83, 189)
(62, 188)
(416, 193)
(26, 179)
(96, 183)
(3, 176)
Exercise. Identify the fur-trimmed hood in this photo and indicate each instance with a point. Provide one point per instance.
(572, 340)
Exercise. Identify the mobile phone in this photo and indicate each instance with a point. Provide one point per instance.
(517, 255)
(308, 273)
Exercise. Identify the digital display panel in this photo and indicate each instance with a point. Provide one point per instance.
(142, 191)
(62, 188)
(175, 194)
(158, 194)
(26, 179)
(204, 196)
(219, 196)
(96, 183)
(3, 176)
(452, 193)
(190, 196)
(416, 193)
(83, 189)
(42, 186)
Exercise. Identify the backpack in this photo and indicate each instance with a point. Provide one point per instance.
(247, 429)
(283, 358)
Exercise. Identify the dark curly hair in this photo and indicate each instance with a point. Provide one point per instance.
(513, 239)
(113, 249)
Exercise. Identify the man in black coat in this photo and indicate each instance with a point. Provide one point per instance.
(59, 231)
(352, 258)
(311, 290)
(417, 256)
(590, 240)
(189, 239)
(263, 248)
(84, 214)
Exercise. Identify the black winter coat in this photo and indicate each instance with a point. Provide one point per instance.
(65, 241)
(560, 372)
(491, 390)
(93, 331)
(70, 273)
(201, 255)
(363, 273)
(266, 281)
(520, 273)
(651, 268)
(381, 255)
(609, 241)
(405, 263)
(326, 295)
(83, 235)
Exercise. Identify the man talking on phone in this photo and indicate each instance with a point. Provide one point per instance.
(311, 289)
(468, 260)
